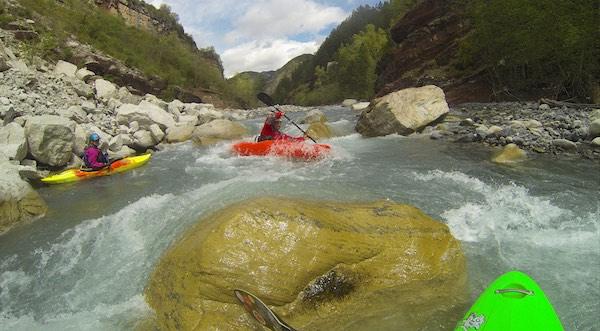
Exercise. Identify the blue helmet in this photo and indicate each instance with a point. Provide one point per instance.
(94, 137)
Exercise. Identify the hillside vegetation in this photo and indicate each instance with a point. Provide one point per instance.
(345, 66)
(532, 44)
(175, 60)
(522, 48)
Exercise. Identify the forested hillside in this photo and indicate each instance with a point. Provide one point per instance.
(475, 50)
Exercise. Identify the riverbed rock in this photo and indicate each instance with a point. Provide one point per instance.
(596, 141)
(360, 106)
(595, 129)
(218, 130)
(403, 112)
(319, 130)
(142, 139)
(180, 132)
(125, 151)
(511, 153)
(18, 201)
(314, 116)
(50, 139)
(349, 102)
(157, 133)
(565, 144)
(319, 265)
(13, 142)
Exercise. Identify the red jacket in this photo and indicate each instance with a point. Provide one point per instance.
(270, 129)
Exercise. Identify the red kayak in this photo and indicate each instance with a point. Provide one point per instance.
(285, 148)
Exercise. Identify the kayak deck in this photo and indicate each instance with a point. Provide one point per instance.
(292, 149)
(512, 302)
(118, 166)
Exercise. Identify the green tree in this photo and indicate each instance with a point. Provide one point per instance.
(533, 44)
(357, 62)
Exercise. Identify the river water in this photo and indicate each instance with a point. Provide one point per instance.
(84, 266)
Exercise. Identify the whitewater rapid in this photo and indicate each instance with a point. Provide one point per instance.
(85, 265)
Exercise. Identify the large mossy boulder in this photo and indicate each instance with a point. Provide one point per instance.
(403, 112)
(320, 266)
(19, 202)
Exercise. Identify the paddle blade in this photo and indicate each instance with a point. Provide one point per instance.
(265, 98)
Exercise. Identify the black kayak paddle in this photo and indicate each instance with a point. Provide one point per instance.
(267, 100)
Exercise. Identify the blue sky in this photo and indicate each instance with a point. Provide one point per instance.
(260, 35)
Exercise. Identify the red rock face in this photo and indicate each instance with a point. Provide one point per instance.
(427, 45)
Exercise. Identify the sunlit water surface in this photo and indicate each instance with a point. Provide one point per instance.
(84, 266)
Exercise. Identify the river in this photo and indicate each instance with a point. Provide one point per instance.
(84, 266)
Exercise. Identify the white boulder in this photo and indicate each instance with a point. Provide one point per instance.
(157, 133)
(50, 139)
(349, 102)
(180, 133)
(84, 73)
(13, 142)
(65, 68)
(142, 139)
(104, 89)
(403, 112)
(360, 106)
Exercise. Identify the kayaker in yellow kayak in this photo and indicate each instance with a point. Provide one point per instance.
(93, 157)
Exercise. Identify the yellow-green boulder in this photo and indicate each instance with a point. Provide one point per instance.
(319, 130)
(511, 153)
(319, 265)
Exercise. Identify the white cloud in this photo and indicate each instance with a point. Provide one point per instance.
(268, 19)
(258, 35)
(264, 56)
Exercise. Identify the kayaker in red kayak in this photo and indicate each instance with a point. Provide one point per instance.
(271, 129)
(92, 155)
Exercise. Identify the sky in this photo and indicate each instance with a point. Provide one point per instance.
(260, 35)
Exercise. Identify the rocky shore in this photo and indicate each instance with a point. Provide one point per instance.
(534, 127)
(546, 127)
(48, 110)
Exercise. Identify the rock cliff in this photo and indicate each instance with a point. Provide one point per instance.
(427, 42)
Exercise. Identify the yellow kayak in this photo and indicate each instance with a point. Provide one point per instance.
(75, 175)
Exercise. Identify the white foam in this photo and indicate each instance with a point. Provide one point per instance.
(506, 211)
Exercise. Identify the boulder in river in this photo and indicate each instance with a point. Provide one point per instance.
(511, 153)
(319, 130)
(403, 112)
(314, 116)
(319, 265)
(18, 201)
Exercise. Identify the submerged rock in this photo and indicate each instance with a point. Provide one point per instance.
(510, 154)
(320, 266)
